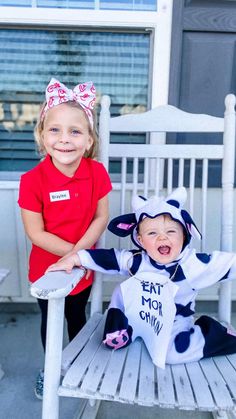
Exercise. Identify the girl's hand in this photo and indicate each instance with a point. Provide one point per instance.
(65, 264)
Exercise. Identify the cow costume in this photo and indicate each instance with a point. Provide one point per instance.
(157, 301)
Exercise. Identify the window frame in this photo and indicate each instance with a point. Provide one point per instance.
(159, 23)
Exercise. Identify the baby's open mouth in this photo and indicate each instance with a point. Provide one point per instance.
(164, 250)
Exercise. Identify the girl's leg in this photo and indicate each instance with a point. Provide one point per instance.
(75, 312)
(43, 304)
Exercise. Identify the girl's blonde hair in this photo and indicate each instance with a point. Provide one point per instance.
(38, 130)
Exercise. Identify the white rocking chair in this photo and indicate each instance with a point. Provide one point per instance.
(86, 368)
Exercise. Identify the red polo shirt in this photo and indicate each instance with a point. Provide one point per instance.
(68, 206)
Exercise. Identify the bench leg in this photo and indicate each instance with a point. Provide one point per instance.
(52, 366)
(223, 414)
(88, 410)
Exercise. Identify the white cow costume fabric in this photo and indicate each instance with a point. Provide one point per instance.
(157, 301)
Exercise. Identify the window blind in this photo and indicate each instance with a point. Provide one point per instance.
(118, 64)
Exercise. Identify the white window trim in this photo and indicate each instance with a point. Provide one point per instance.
(160, 23)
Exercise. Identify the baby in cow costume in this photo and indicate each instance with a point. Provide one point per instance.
(157, 301)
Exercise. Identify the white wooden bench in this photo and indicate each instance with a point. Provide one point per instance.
(86, 368)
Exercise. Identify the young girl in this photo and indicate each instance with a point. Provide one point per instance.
(64, 199)
(157, 302)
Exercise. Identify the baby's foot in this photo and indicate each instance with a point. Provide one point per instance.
(117, 339)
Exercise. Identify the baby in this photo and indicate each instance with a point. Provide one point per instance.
(157, 302)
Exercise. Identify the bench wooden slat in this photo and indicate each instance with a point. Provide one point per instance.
(96, 370)
(210, 151)
(113, 373)
(232, 359)
(146, 388)
(131, 372)
(166, 118)
(228, 372)
(200, 387)
(74, 347)
(76, 372)
(217, 384)
(185, 397)
(165, 388)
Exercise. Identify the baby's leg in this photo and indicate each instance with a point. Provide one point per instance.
(186, 346)
(205, 339)
(117, 332)
(219, 340)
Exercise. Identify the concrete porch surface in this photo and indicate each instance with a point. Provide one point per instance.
(21, 357)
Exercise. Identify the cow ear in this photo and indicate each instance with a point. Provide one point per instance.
(123, 225)
(190, 225)
(178, 197)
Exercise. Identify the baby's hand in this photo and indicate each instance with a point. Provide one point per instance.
(65, 264)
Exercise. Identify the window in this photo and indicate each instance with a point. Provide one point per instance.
(89, 4)
(126, 54)
(118, 64)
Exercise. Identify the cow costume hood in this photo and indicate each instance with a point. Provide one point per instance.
(127, 224)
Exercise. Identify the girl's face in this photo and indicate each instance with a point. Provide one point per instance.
(162, 238)
(66, 137)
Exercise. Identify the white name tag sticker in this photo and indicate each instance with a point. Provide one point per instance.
(59, 196)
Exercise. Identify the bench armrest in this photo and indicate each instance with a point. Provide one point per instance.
(56, 284)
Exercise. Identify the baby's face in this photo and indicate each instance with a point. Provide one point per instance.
(162, 238)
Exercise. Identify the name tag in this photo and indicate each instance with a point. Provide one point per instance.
(59, 196)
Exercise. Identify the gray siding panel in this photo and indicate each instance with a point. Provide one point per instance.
(212, 19)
